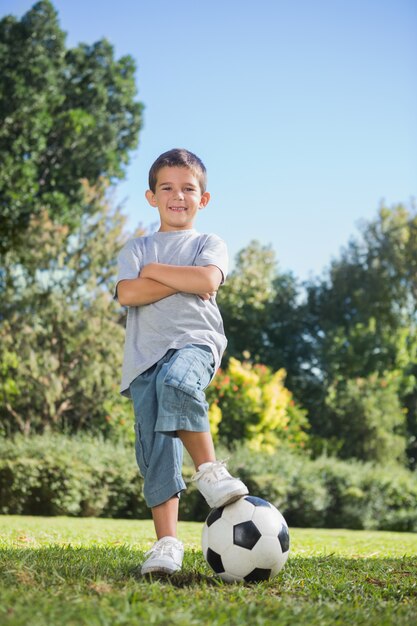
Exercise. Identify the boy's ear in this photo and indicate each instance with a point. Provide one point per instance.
(150, 196)
(204, 199)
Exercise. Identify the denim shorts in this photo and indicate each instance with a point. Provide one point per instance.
(167, 397)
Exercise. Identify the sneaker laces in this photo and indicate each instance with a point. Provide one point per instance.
(213, 473)
(164, 547)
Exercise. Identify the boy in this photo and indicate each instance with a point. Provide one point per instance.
(174, 344)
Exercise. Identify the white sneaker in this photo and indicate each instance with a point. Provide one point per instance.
(164, 557)
(217, 486)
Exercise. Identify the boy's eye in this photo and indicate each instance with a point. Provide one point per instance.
(189, 189)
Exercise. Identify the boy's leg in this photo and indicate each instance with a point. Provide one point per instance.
(199, 446)
(165, 517)
(182, 411)
(213, 480)
(165, 556)
(159, 458)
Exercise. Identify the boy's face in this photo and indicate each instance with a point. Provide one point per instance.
(178, 197)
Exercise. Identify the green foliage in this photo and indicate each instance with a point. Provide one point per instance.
(372, 279)
(356, 321)
(68, 119)
(260, 310)
(360, 317)
(331, 493)
(249, 285)
(244, 299)
(58, 475)
(89, 476)
(65, 115)
(250, 403)
(366, 418)
(61, 342)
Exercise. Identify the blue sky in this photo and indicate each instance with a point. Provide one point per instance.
(304, 112)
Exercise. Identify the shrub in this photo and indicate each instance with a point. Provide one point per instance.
(86, 476)
(61, 475)
(330, 493)
(250, 403)
(367, 418)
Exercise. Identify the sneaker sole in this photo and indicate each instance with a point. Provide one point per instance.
(159, 570)
(230, 498)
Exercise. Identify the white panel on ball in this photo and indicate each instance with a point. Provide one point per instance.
(237, 512)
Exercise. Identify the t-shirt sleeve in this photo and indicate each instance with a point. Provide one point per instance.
(128, 264)
(214, 252)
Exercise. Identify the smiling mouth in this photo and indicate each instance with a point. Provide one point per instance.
(177, 209)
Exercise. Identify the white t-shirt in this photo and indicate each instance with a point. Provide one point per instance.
(180, 319)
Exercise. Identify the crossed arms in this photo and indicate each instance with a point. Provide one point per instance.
(158, 280)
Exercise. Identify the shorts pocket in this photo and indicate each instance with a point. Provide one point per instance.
(191, 371)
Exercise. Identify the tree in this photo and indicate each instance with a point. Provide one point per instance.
(258, 306)
(361, 316)
(263, 315)
(368, 421)
(244, 300)
(356, 322)
(286, 345)
(61, 336)
(66, 115)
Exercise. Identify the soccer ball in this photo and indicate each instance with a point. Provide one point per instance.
(246, 540)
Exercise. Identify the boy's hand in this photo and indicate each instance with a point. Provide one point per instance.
(206, 296)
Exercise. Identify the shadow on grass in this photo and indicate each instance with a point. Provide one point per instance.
(182, 579)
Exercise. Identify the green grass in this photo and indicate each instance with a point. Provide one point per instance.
(72, 571)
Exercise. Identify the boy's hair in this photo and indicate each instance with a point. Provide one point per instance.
(179, 157)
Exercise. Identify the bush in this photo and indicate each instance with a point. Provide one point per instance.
(367, 418)
(86, 476)
(61, 475)
(249, 402)
(331, 493)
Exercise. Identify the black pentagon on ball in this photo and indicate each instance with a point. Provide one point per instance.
(215, 561)
(214, 515)
(257, 501)
(258, 574)
(246, 535)
(284, 538)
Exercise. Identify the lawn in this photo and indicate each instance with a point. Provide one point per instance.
(72, 571)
